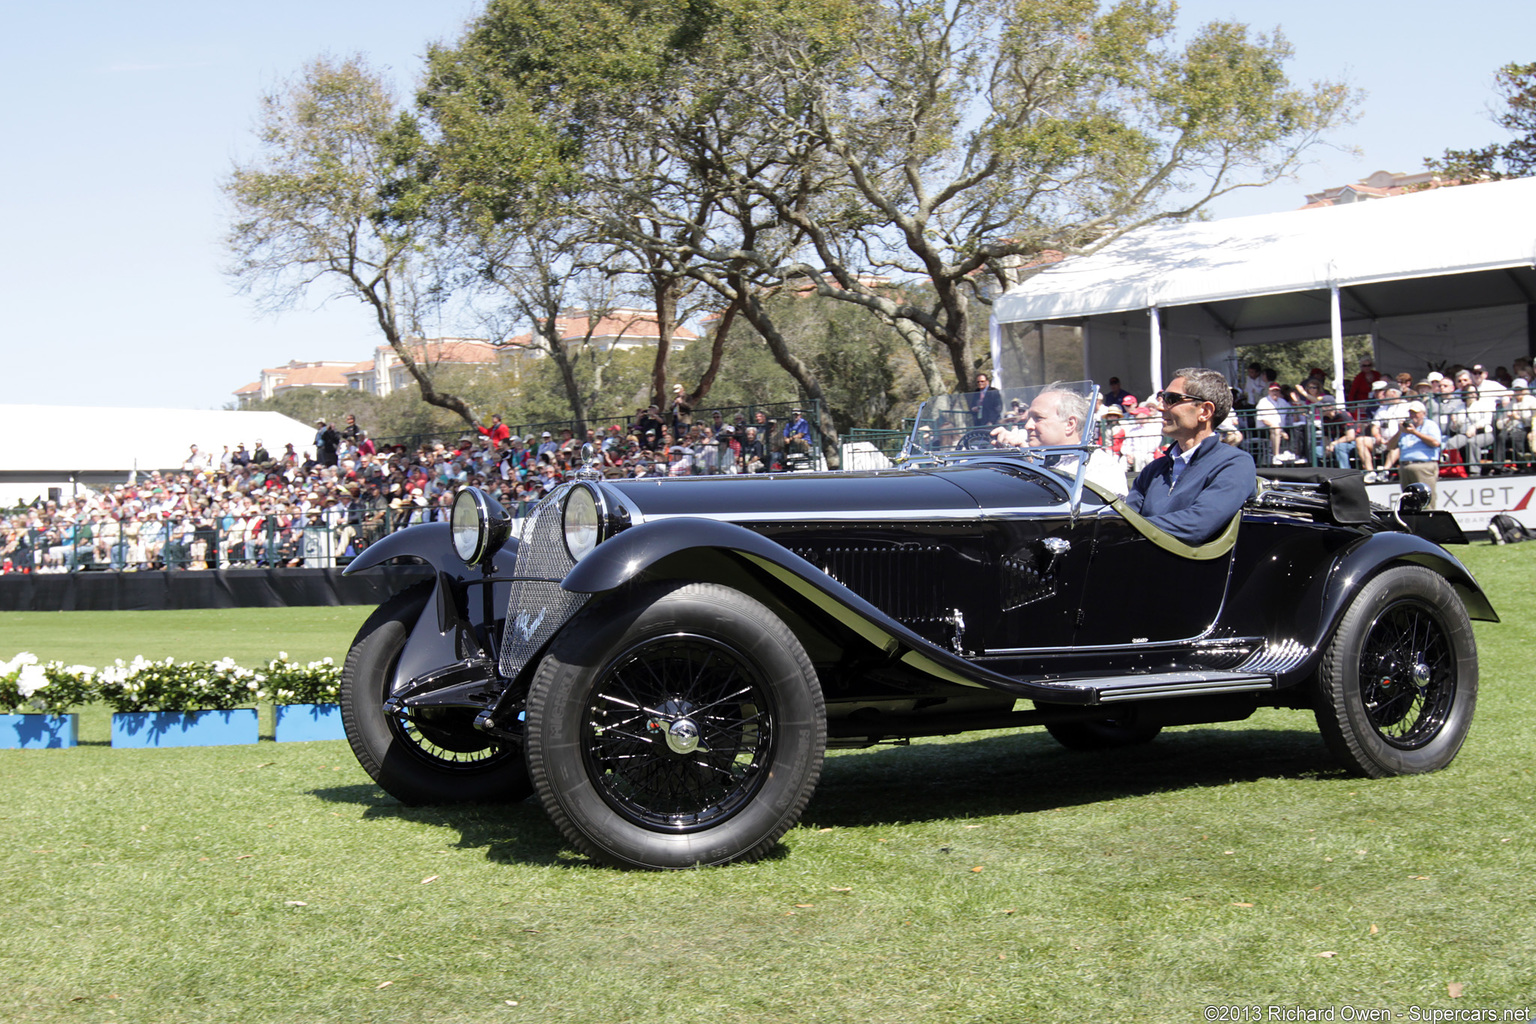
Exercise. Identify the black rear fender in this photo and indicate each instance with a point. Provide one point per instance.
(1361, 562)
(1381, 550)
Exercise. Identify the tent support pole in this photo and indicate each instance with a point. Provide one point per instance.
(1155, 332)
(995, 348)
(1336, 326)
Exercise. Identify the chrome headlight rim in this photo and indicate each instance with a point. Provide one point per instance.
(584, 520)
(477, 524)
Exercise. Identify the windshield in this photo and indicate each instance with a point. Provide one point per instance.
(1062, 416)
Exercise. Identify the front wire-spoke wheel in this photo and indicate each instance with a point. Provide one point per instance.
(1398, 683)
(679, 732)
(678, 725)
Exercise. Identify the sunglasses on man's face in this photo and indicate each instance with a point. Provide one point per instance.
(1174, 398)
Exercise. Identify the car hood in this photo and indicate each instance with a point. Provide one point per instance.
(947, 489)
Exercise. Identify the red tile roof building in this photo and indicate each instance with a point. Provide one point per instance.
(618, 329)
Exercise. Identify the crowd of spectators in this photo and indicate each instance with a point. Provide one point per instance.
(1465, 421)
(256, 508)
(253, 507)
(1481, 420)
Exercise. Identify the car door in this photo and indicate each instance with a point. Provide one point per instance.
(1137, 591)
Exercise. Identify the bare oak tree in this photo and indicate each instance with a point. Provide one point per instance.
(333, 200)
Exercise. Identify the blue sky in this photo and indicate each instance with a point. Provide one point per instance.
(122, 118)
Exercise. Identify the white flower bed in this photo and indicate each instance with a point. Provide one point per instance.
(140, 685)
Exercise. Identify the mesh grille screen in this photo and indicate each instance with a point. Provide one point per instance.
(538, 607)
(901, 580)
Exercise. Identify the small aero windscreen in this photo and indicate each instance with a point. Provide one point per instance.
(1062, 414)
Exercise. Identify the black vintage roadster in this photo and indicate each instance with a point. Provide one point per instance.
(664, 661)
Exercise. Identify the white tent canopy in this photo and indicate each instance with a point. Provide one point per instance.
(1447, 274)
(58, 446)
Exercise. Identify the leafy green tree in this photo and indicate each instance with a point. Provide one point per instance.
(335, 198)
(1513, 159)
(956, 139)
(623, 373)
(868, 374)
(851, 142)
(514, 106)
(1293, 361)
(945, 142)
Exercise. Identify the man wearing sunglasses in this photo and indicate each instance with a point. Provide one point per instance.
(1194, 491)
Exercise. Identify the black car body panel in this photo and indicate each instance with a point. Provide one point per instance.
(854, 608)
(981, 574)
(466, 609)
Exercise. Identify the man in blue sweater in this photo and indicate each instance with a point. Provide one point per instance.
(1194, 491)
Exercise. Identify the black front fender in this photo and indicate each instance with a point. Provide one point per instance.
(427, 542)
(629, 554)
(464, 602)
(433, 544)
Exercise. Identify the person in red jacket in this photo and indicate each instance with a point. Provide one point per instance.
(497, 431)
(1360, 387)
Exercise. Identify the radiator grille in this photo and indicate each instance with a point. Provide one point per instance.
(538, 607)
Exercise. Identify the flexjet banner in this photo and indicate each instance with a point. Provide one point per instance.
(1476, 500)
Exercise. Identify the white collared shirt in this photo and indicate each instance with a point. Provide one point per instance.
(1181, 459)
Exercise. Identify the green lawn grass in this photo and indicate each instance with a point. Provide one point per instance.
(251, 636)
(990, 878)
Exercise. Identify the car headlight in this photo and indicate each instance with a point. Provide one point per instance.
(585, 520)
(478, 524)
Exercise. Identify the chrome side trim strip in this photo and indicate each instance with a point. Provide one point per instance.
(1202, 648)
(1281, 657)
(866, 515)
(1112, 695)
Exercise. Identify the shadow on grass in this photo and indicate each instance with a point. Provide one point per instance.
(509, 833)
(1028, 772)
(1019, 773)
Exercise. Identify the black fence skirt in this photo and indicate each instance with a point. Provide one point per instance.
(201, 588)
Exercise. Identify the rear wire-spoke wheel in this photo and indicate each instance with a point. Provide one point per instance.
(434, 756)
(683, 725)
(1398, 683)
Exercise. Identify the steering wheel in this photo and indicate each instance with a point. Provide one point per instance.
(979, 438)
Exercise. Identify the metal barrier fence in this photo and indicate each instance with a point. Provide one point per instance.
(324, 539)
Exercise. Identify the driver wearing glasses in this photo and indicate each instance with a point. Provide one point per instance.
(1194, 490)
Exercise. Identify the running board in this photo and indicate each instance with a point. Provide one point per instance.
(1159, 685)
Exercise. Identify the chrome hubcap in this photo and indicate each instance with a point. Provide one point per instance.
(683, 736)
